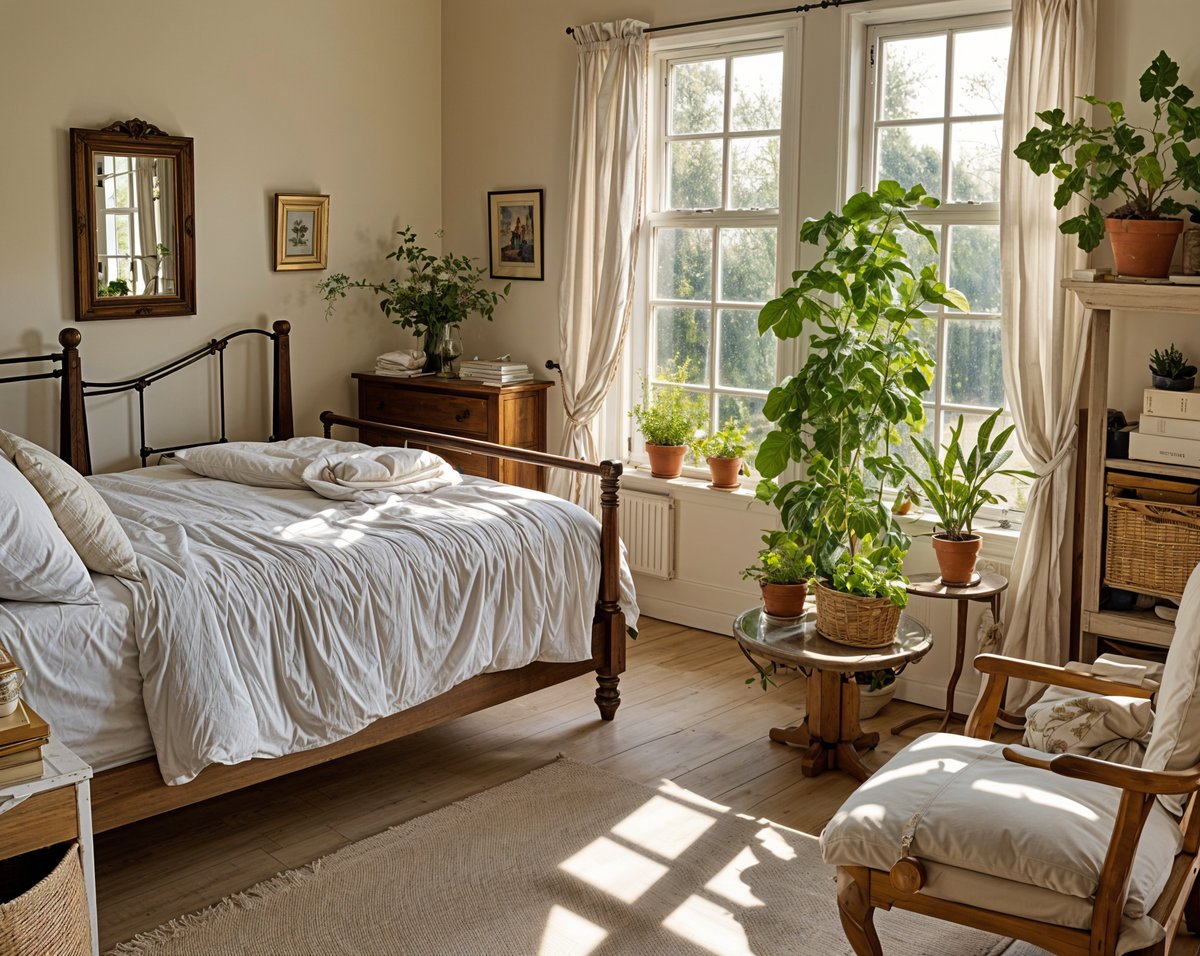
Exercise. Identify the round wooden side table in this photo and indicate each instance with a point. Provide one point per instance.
(988, 589)
(831, 732)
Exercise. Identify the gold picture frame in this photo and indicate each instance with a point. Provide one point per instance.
(301, 232)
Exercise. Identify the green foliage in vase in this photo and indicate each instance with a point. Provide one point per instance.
(956, 487)
(872, 576)
(669, 414)
(435, 292)
(113, 287)
(1170, 363)
(784, 560)
(732, 441)
(864, 378)
(1143, 165)
(876, 680)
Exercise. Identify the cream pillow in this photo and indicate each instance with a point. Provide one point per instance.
(78, 509)
(37, 563)
(1108, 728)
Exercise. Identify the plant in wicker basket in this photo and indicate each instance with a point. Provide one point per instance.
(841, 415)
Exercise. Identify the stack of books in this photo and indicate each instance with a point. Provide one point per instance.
(497, 372)
(23, 734)
(1169, 429)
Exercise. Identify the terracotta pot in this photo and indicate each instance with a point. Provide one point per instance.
(784, 600)
(956, 559)
(725, 472)
(1143, 247)
(666, 461)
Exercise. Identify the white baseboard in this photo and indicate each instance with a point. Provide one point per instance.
(932, 694)
(705, 619)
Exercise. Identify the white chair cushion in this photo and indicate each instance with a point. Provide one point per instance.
(1175, 739)
(956, 801)
(78, 509)
(37, 562)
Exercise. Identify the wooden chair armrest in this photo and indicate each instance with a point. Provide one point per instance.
(1057, 676)
(1135, 779)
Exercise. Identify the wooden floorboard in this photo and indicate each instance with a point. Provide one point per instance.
(686, 714)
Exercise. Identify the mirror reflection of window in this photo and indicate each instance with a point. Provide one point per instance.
(135, 225)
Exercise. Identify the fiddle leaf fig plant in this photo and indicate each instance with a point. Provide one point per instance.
(1142, 165)
(867, 370)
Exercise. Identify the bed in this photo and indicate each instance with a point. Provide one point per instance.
(301, 629)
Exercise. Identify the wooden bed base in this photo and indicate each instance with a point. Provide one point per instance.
(136, 791)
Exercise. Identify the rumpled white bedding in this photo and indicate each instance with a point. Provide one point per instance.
(272, 621)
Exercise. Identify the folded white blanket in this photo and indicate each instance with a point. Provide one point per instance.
(341, 471)
(403, 360)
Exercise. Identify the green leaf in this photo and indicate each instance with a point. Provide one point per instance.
(1160, 76)
(1150, 170)
(772, 456)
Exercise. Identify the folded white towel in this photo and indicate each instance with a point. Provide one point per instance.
(402, 359)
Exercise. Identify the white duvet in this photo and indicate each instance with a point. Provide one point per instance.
(271, 621)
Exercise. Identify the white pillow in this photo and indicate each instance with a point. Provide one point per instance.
(262, 464)
(37, 562)
(77, 507)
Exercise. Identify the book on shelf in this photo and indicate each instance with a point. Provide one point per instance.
(1160, 403)
(472, 372)
(23, 725)
(23, 747)
(497, 383)
(1170, 427)
(1145, 446)
(31, 769)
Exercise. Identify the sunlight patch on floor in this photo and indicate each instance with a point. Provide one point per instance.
(774, 843)
(569, 934)
(664, 827)
(615, 869)
(728, 883)
(709, 926)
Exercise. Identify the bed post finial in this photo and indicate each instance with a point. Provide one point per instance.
(281, 395)
(608, 696)
(72, 417)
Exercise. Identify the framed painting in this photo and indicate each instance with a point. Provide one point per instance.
(301, 232)
(515, 243)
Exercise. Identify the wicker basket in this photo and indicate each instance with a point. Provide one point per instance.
(855, 621)
(51, 917)
(1150, 548)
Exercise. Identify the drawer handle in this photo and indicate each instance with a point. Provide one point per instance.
(463, 416)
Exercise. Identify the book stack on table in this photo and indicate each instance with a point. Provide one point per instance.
(1169, 430)
(498, 372)
(23, 733)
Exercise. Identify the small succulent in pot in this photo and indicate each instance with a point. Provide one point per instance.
(725, 451)
(1170, 371)
(783, 570)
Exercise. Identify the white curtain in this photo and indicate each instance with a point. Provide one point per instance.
(1051, 62)
(147, 248)
(608, 145)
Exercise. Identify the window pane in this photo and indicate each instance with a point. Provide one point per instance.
(684, 263)
(754, 173)
(911, 155)
(121, 232)
(747, 358)
(748, 264)
(920, 252)
(975, 162)
(904, 449)
(121, 192)
(974, 370)
(698, 97)
(1016, 490)
(980, 71)
(681, 339)
(745, 410)
(914, 78)
(695, 174)
(757, 91)
(975, 265)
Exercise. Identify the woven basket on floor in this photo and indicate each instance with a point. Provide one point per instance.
(1150, 547)
(855, 621)
(51, 917)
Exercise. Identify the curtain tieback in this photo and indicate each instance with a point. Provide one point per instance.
(1063, 453)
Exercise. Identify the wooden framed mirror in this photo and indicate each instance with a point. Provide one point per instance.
(133, 206)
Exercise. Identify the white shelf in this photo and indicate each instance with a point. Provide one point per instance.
(1160, 468)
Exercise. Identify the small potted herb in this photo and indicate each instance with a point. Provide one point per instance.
(668, 418)
(1170, 371)
(783, 570)
(907, 498)
(875, 691)
(956, 489)
(725, 451)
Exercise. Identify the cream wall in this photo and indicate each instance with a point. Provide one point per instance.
(297, 96)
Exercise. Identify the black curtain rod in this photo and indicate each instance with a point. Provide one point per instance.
(803, 8)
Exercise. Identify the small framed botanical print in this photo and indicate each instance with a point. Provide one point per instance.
(301, 232)
(515, 234)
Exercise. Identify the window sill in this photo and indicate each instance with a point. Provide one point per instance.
(689, 487)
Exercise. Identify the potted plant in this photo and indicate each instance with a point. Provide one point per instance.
(668, 418)
(907, 498)
(783, 571)
(840, 415)
(956, 489)
(725, 452)
(875, 691)
(1117, 159)
(436, 293)
(1170, 371)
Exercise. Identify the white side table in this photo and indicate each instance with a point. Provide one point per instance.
(63, 769)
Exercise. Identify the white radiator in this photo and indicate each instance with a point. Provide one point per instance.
(648, 530)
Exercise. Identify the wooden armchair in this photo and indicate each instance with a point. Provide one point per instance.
(1076, 855)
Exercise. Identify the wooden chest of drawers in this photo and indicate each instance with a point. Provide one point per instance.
(513, 415)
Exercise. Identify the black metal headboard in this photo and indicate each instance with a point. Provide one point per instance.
(72, 425)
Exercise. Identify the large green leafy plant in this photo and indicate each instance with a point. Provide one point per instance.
(1143, 165)
(435, 291)
(841, 415)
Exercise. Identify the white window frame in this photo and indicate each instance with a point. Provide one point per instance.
(664, 51)
(938, 408)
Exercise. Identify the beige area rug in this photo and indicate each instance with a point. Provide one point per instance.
(566, 861)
